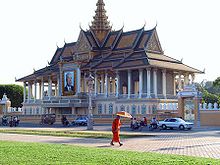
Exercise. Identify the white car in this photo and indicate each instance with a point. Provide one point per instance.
(175, 123)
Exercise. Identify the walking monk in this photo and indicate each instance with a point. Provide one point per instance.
(116, 130)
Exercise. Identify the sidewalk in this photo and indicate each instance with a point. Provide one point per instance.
(201, 142)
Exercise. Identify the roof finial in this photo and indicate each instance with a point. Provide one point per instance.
(144, 24)
(80, 26)
(100, 22)
(57, 46)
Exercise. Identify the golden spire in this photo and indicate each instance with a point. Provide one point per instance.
(100, 22)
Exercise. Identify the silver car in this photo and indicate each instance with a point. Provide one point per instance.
(175, 123)
(80, 121)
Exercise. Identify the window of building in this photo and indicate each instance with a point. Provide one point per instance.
(143, 109)
(110, 108)
(30, 110)
(124, 90)
(122, 108)
(128, 109)
(99, 108)
(133, 110)
(37, 110)
(105, 109)
(154, 109)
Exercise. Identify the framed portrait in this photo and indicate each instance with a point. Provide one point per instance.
(69, 83)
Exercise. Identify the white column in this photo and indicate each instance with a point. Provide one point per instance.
(42, 88)
(102, 83)
(49, 86)
(109, 86)
(39, 90)
(96, 84)
(117, 83)
(155, 82)
(179, 82)
(164, 85)
(56, 89)
(106, 84)
(129, 84)
(148, 83)
(78, 80)
(35, 91)
(29, 91)
(24, 93)
(140, 82)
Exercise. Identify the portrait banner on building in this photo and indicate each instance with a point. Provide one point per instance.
(69, 83)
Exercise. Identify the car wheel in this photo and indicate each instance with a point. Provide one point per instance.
(164, 126)
(181, 127)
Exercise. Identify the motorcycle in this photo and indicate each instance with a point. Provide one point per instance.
(4, 121)
(153, 126)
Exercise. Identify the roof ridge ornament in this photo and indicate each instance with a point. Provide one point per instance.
(100, 22)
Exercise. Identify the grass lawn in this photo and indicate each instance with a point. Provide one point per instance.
(37, 153)
(85, 134)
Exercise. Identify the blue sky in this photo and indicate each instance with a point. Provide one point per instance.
(30, 30)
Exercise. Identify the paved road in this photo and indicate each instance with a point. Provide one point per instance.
(203, 142)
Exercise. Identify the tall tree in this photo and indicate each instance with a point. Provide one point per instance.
(14, 93)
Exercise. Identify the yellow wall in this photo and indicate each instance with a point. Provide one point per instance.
(210, 118)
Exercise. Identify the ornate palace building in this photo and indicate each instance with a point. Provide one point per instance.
(129, 71)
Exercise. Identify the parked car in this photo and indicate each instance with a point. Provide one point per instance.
(80, 121)
(175, 123)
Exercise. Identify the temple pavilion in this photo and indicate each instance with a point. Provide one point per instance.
(128, 71)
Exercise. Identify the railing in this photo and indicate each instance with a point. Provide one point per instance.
(84, 97)
(210, 106)
(168, 106)
(14, 109)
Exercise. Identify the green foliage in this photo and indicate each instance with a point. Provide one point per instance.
(209, 97)
(216, 83)
(14, 93)
(37, 153)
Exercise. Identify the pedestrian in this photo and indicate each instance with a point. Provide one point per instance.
(116, 124)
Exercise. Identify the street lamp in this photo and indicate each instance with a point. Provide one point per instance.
(90, 116)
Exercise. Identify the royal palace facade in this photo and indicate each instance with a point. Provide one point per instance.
(123, 71)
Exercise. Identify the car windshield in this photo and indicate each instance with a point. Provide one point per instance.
(81, 118)
(180, 120)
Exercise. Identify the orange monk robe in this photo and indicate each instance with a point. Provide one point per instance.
(116, 130)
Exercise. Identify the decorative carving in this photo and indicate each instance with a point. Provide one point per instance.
(80, 57)
(82, 44)
(153, 44)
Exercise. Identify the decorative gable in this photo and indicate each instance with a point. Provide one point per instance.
(153, 44)
(82, 44)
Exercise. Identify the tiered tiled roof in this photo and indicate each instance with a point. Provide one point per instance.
(113, 49)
